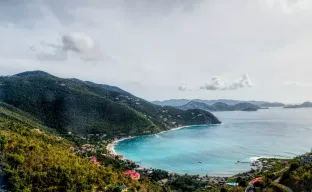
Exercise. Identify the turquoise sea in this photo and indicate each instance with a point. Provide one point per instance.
(215, 149)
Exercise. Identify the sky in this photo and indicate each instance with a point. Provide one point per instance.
(157, 50)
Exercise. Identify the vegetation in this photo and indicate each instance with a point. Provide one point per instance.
(85, 107)
(298, 177)
(35, 157)
(34, 161)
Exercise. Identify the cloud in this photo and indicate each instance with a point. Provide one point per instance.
(271, 37)
(217, 83)
(183, 88)
(290, 6)
(78, 43)
(298, 84)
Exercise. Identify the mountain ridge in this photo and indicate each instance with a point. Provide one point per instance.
(219, 106)
(306, 104)
(84, 107)
(180, 102)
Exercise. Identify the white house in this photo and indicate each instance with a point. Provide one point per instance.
(307, 159)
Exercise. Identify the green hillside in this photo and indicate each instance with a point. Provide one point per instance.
(299, 175)
(85, 107)
(32, 160)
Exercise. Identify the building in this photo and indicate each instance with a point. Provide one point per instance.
(97, 163)
(306, 159)
(132, 174)
(93, 159)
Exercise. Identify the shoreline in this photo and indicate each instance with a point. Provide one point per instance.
(111, 146)
(111, 150)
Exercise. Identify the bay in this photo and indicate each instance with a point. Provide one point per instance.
(214, 149)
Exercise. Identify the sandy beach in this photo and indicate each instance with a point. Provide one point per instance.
(111, 146)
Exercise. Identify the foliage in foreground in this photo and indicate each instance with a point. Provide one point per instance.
(33, 161)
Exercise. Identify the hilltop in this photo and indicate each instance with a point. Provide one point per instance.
(219, 106)
(86, 107)
(181, 102)
(303, 105)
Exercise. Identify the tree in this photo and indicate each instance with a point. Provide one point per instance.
(238, 179)
(294, 166)
(242, 183)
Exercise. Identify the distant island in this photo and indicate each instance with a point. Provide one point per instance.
(303, 105)
(219, 106)
(181, 102)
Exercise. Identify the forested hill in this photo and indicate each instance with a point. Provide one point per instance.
(34, 160)
(86, 107)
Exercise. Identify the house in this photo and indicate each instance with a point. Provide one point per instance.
(97, 163)
(132, 174)
(259, 179)
(93, 158)
(306, 159)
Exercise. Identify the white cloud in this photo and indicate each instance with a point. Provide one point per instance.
(217, 83)
(76, 42)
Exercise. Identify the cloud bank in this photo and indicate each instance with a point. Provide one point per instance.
(217, 83)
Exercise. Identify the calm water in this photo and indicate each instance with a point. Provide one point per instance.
(243, 136)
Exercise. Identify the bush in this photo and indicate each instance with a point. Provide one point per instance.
(242, 183)
(294, 166)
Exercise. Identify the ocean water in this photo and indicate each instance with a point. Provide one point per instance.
(215, 149)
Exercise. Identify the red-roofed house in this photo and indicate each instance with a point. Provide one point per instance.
(259, 179)
(93, 158)
(97, 163)
(132, 174)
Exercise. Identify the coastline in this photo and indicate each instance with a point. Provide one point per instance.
(111, 146)
(255, 162)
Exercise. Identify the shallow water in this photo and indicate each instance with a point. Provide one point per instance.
(215, 149)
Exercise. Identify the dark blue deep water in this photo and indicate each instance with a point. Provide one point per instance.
(243, 136)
